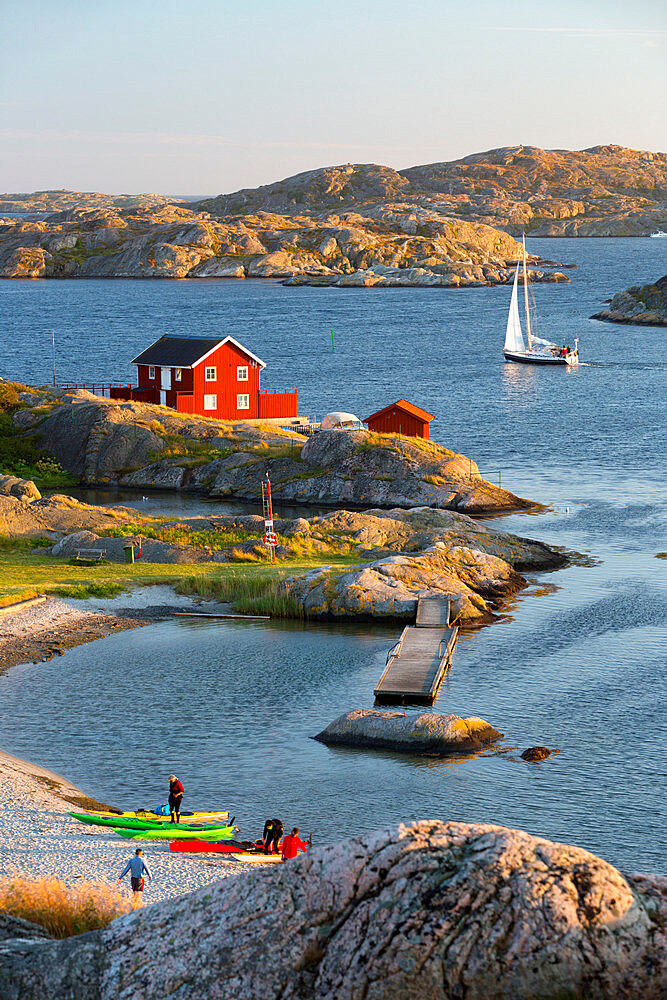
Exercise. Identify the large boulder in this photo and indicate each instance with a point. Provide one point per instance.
(425, 911)
(22, 489)
(425, 732)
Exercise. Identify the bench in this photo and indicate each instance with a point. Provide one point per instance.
(89, 554)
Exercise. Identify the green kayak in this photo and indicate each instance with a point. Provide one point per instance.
(127, 823)
(180, 833)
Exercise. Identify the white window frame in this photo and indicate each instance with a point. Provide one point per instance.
(240, 404)
(207, 374)
(241, 373)
(151, 371)
(211, 402)
(178, 374)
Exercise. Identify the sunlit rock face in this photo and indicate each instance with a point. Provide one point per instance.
(423, 911)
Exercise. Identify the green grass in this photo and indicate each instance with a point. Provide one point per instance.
(214, 540)
(251, 588)
(256, 593)
(104, 588)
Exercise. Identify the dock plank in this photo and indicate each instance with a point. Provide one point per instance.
(432, 611)
(416, 666)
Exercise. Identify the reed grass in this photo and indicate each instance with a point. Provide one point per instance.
(256, 593)
(60, 910)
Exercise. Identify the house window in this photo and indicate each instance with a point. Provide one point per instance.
(178, 374)
(151, 371)
(242, 373)
(210, 374)
(210, 402)
(243, 402)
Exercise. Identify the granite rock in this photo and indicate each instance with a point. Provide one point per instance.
(415, 912)
(427, 732)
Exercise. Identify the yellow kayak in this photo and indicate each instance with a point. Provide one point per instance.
(256, 859)
(186, 817)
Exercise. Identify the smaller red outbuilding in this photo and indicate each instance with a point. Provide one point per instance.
(401, 418)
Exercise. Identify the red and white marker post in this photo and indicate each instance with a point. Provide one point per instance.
(270, 537)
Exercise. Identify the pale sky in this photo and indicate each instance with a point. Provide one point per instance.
(120, 96)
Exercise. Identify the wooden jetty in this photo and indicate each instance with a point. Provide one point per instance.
(420, 659)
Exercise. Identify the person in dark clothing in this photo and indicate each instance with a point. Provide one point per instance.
(273, 831)
(176, 791)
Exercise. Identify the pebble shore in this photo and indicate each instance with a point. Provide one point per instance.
(38, 838)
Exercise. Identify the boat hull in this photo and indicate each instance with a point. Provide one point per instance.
(186, 817)
(541, 359)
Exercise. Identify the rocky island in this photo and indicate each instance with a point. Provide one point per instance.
(103, 442)
(355, 225)
(640, 305)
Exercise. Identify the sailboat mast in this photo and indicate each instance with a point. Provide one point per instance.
(525, 295)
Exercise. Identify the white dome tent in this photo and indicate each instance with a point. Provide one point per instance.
(338, 420)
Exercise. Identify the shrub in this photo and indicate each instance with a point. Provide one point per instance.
(9, 397)
(61, 911)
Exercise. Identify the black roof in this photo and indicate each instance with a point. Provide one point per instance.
(180, 352)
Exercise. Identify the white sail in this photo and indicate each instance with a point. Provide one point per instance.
(513, 335)
(525, 295)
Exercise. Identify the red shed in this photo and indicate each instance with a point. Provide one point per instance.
(208, 377)
(401, 418)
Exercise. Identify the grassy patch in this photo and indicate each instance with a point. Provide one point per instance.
(61, 911)
(258, 593)
(25, 595)
(102, 588)
(8, 544)
(213, 540)
(253, 587)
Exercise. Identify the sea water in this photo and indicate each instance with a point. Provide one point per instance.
(577, 661)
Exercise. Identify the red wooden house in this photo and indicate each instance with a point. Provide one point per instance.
(401, 418)
(208, 377)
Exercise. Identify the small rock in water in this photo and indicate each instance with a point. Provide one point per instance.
(536, 753)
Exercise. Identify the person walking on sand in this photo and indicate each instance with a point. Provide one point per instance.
(292, 844)
(176, 791)
(136, 866)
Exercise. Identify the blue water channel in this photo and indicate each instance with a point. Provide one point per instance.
(578, 661)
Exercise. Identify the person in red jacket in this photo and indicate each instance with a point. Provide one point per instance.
(176, 791)
(292, 844)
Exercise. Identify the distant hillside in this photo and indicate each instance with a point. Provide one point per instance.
(64, 201)
(603, 191)
(441, 225)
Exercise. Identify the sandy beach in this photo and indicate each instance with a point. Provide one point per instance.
(38, 838)
(42, 630)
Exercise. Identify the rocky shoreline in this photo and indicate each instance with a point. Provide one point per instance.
(410, 912)
(639, 305)
(105, 442)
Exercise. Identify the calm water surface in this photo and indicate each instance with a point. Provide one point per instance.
(578, 663)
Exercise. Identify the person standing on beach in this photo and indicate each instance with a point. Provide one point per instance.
(136, 866)
(176, 791)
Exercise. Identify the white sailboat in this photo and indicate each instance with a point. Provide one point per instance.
(533, 350)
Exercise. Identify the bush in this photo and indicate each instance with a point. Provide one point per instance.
(61, 911)
(9, 396)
